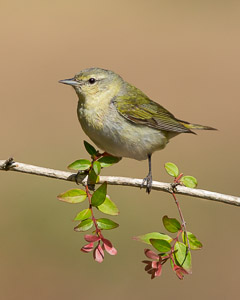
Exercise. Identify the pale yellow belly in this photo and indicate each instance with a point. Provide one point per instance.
(120, 137)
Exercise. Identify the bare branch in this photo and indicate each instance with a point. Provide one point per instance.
(134, 182)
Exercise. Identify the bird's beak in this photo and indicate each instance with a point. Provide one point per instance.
(71, 81)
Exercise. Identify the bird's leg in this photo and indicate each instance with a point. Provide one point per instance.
(148, 178)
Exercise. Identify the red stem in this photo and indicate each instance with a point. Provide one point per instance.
(98, 231)
(172, 249)
(183, 221)
(177, 179)
(100, 155)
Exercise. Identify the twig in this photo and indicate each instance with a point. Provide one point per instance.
(134, 182)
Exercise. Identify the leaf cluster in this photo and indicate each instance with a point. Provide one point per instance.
(175, 249)
(98, 200)
(172, 249)
(188, 181)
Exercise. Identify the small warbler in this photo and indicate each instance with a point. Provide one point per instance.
(121, 120)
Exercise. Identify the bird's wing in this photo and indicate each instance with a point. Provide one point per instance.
(139, 109)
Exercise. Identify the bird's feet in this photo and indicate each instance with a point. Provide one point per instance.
(148, 181)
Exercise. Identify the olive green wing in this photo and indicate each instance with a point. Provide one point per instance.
(139, 109)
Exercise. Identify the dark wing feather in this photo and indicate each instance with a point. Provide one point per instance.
(139, 109)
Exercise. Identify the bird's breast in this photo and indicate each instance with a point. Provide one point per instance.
(119, 137)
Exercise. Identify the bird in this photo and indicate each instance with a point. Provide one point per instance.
(121, 120)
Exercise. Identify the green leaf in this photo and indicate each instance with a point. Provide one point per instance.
(180, 256)
(99, 195)
(73, 196)
(107, 161)
(84, 225)
(90, 149)
(189, 181)
(84, 214)
(106, 224)
(97, 167)
(172, 169)
(92, 176)
(161, 245)
(108, 207)
(193, 241)
(153, 235)
(80, 165)
(171, 224)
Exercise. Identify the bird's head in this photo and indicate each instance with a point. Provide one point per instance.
(95, 82)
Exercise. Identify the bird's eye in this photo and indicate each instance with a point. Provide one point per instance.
(92, 80)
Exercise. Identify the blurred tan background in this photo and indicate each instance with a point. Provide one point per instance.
(183, 54)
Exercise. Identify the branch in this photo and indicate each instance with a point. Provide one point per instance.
(159, 186)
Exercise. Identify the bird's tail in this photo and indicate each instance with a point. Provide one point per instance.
(196, 126)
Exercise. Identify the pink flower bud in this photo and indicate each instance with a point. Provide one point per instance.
(150, 254)
(180, 272)
(91, 238)
(98, 254)
(87, 248)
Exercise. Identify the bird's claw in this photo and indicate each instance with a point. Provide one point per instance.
(148, 181)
